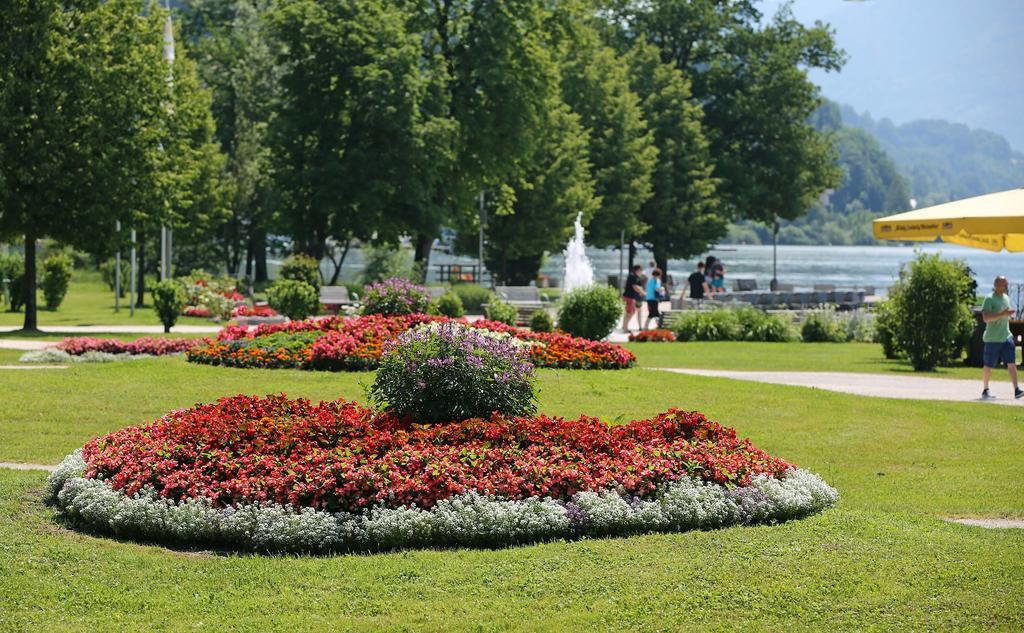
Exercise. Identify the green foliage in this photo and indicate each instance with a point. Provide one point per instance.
(824, 326)
(720, 324)
(887, 328)
(590, 312)
(440, 373)
(12, 269)
(498, 310)
(302, 267)
(450, 305)
(168, 302)
(293, 298)
(385, 262)
(757, 325)
(541, 321)
(394, 297)
(107, 274)
(930, 311)
(473, 297)
(56, 276)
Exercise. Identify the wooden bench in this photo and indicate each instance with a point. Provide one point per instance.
(335, 297)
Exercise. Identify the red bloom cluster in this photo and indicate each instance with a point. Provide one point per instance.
(145, 345)
(357, 343)
(653, 336)
(340, 456)
(196, 311)
(253, 311)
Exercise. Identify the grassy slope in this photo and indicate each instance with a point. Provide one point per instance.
(882, 559)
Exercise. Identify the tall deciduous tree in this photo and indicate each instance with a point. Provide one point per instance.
(750, 79)
(554, 186)
(238, 64)
(348, 138)
(682, 216)
(85, 135)
(596, 84)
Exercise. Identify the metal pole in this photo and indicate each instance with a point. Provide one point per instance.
(775, 255)
(622, 254)
(480, 253)
(131, 285)
(163, 253)
(117, 271)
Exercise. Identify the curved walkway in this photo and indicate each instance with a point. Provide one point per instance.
(876, 385)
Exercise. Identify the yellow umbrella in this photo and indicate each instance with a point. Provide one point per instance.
(993, 222)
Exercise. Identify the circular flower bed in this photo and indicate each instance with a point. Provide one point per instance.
(352, 344)
(276, 474)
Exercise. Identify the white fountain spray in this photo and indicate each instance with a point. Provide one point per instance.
(579, 272)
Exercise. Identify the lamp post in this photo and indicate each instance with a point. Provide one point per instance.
(775, 255)
(480, 245)
(166, 239)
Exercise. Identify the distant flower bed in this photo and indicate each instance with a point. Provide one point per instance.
(151, 346)
(350, 344)
(653, 336)
(253, 311)
(196, 312)
(278, 474)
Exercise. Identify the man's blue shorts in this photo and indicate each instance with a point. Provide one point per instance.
(1000, 352)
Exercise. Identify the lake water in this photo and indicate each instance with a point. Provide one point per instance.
(802, 266)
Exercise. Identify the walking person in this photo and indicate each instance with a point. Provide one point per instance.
(698, 283)
(653, 296)
(633, 293)
(999, 347)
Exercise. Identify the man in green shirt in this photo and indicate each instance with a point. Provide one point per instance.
(999, 347)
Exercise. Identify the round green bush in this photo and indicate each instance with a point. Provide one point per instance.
(301, 267)
(448, 372)
(473, 297)
(450, 305)
(823, 326)
(109, 276)
(168, 302)
(293, 298)
(931, 316)
(12, 269)
(886, 327)
(56, 278)
(720, 324)
(541, 321)
(498, 310)
(757, 325)
(591, 312)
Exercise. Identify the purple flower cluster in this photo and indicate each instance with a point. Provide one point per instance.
(446, 372)
(395, 296)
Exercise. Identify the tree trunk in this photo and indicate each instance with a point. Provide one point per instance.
(140, 281)
(424, 243)
(339, 263)
(661, 261)
(260, 252)
(632, 256)
(30, 282)
(248, 259)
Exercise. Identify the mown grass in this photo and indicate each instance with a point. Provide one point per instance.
(90, 302)
(883, 559)
(733, 355)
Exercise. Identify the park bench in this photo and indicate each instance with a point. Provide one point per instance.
(525, 299)
(335, 297)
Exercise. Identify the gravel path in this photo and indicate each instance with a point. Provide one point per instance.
(34, 366)
(20, 466)
(991, 524)
(22, 344)
(877, 385)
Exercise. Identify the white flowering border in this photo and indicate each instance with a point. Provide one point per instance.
(54, 355)
(469, 519)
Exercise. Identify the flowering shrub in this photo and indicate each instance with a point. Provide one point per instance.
(653, 336)
(395, 297)
(279, 474)
(445, 372)
(196, 311)
(347, 344)
(151, 346)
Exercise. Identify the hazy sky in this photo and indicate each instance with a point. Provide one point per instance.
(960, 60)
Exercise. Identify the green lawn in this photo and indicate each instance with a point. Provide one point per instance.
(90, 302)
(851, 357)
(882, 559)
